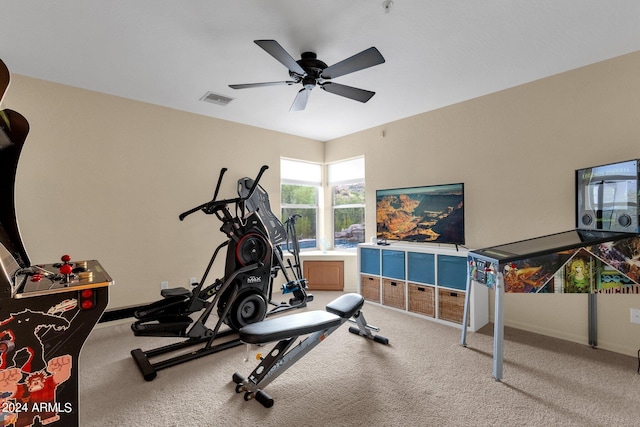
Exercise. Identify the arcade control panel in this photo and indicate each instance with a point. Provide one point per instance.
(44, 323)
(47, 279)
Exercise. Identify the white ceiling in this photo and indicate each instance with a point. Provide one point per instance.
(438, 52)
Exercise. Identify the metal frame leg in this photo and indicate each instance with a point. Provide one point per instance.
(593, 319)
(467, 306)
(498, 328)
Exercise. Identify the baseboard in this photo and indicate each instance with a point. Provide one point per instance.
(578, 339)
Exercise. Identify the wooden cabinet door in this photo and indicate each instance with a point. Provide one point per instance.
(324, 275)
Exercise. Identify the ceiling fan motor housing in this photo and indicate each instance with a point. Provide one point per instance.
(313, 68)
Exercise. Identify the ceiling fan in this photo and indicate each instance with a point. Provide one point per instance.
(311, 72)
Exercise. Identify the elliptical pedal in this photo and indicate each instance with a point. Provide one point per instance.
(172, 305)
(175, 292)
(176, 328)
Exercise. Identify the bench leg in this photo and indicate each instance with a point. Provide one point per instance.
(364, 329)
(282, 357)
(274, 364)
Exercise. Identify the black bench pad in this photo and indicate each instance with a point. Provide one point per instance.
(293, 325)
(346, 305)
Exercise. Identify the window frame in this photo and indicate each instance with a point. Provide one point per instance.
(315, 183)
(332, 183)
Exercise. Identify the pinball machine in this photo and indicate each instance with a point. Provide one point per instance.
(600, 256)
(47, 311)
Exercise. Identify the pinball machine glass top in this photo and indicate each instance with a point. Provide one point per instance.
(549, 244)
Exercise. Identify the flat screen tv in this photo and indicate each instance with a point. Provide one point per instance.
(431, 213)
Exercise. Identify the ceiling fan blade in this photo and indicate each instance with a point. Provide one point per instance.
(248, 85)
(300, 102)
(274, 49)
(359, 61)
(348, 91)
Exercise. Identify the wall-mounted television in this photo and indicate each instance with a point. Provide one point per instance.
(430, 214)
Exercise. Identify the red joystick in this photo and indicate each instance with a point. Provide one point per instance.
(66, 267)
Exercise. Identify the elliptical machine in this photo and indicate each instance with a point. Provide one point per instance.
(254, 258)
(280, 235)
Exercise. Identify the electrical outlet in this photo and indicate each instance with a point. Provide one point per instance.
(193, 281)
(164, 285)
(635, 315)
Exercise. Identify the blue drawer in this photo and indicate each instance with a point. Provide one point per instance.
(393, 264)
(421, 268)
(370, 261)
(452, 272)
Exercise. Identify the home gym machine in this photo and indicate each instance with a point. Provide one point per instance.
(286, 330)
(254, 257)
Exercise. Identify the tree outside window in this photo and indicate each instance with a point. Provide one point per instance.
(299, 192)
(346, 180)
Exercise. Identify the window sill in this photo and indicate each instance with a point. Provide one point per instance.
(329, 253)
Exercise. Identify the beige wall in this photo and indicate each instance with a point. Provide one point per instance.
(104, 177)
(516, 151)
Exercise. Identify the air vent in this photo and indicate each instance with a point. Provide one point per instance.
(215, 98)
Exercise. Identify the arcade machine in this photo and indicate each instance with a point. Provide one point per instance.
(602, 255)
(46, 310)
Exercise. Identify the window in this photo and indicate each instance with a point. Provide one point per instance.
(299, 188)
(346, 180)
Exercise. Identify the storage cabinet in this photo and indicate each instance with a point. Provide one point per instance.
(324, 275)
(423, 280)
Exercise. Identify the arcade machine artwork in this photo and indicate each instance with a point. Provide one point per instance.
(601, 256)
(46, 311)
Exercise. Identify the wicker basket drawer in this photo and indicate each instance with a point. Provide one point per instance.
(451, 305)
(422, 299)
(393, 293)
(370, 288)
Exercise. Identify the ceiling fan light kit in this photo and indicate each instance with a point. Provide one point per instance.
(311, 72)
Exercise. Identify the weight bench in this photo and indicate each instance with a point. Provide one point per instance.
(286, 330)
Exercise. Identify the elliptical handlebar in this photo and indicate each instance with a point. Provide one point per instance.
(212, 205)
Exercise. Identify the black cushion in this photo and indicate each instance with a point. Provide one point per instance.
(346, 305)
(293, 325)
